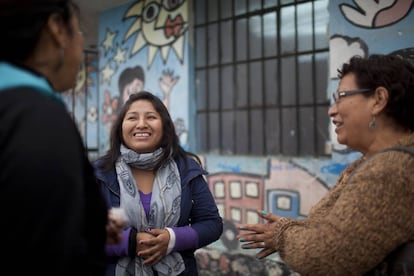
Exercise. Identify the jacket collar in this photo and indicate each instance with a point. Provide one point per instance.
(13, 76)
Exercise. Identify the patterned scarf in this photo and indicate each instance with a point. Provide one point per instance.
(164, 208)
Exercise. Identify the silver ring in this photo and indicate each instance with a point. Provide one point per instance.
(263, 244)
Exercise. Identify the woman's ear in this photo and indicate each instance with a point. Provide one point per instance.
(381, 97)
(58, 30)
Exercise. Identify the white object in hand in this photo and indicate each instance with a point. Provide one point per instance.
(118, 214)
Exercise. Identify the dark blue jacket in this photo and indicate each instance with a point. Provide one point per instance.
(198, 207)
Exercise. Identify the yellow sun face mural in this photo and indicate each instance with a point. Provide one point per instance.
(160, 25)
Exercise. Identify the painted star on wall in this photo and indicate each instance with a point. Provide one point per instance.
(107, 74)
(120, 56)
(109, 40)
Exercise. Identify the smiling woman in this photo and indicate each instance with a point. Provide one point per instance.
(353, 229)
(142, 127)
(162, 189)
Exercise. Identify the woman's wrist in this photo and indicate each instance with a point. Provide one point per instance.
(171, 243)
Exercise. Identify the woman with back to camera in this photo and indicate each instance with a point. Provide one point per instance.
(53, 211)
(369, 212)
(162, 189)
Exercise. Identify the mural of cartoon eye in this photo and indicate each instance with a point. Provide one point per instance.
(172, 4)
(150, 12)
(160, 26)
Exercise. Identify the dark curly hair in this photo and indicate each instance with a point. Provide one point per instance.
(389, 71)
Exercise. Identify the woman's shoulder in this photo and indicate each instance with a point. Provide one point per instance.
(397, 157)
(187, 160)
(189, 168)
(27, 101)
(98, 162)
(393, 165)
(101, 171)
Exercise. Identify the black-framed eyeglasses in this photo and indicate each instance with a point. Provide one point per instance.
(340, 94)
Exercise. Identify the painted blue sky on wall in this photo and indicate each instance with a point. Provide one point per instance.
(150, 37)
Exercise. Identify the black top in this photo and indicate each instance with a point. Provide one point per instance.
(52, 211)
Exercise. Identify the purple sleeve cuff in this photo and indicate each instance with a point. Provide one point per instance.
(121, 248)
(185, 238)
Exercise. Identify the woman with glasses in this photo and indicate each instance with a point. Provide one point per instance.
(53, 213)
(368, 214)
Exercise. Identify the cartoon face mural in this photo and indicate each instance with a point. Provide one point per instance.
(160, 25)
(131, 36)
(376, 14)
(131, 80)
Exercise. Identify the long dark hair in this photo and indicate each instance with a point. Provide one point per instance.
(21, 24)
(169, 141)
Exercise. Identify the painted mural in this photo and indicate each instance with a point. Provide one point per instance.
(291, 186)
(82, 101)
(144, 45)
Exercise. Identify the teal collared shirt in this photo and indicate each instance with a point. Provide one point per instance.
(12, 76)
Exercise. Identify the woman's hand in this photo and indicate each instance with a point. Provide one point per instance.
(152, 245)
(256, 236)
(116, 222)
(142, 236)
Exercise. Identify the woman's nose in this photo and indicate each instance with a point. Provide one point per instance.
(141, 123)
(332, 109)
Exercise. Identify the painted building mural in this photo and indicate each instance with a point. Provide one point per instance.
(144, 45)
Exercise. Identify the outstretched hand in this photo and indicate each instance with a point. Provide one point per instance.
(260, 235)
